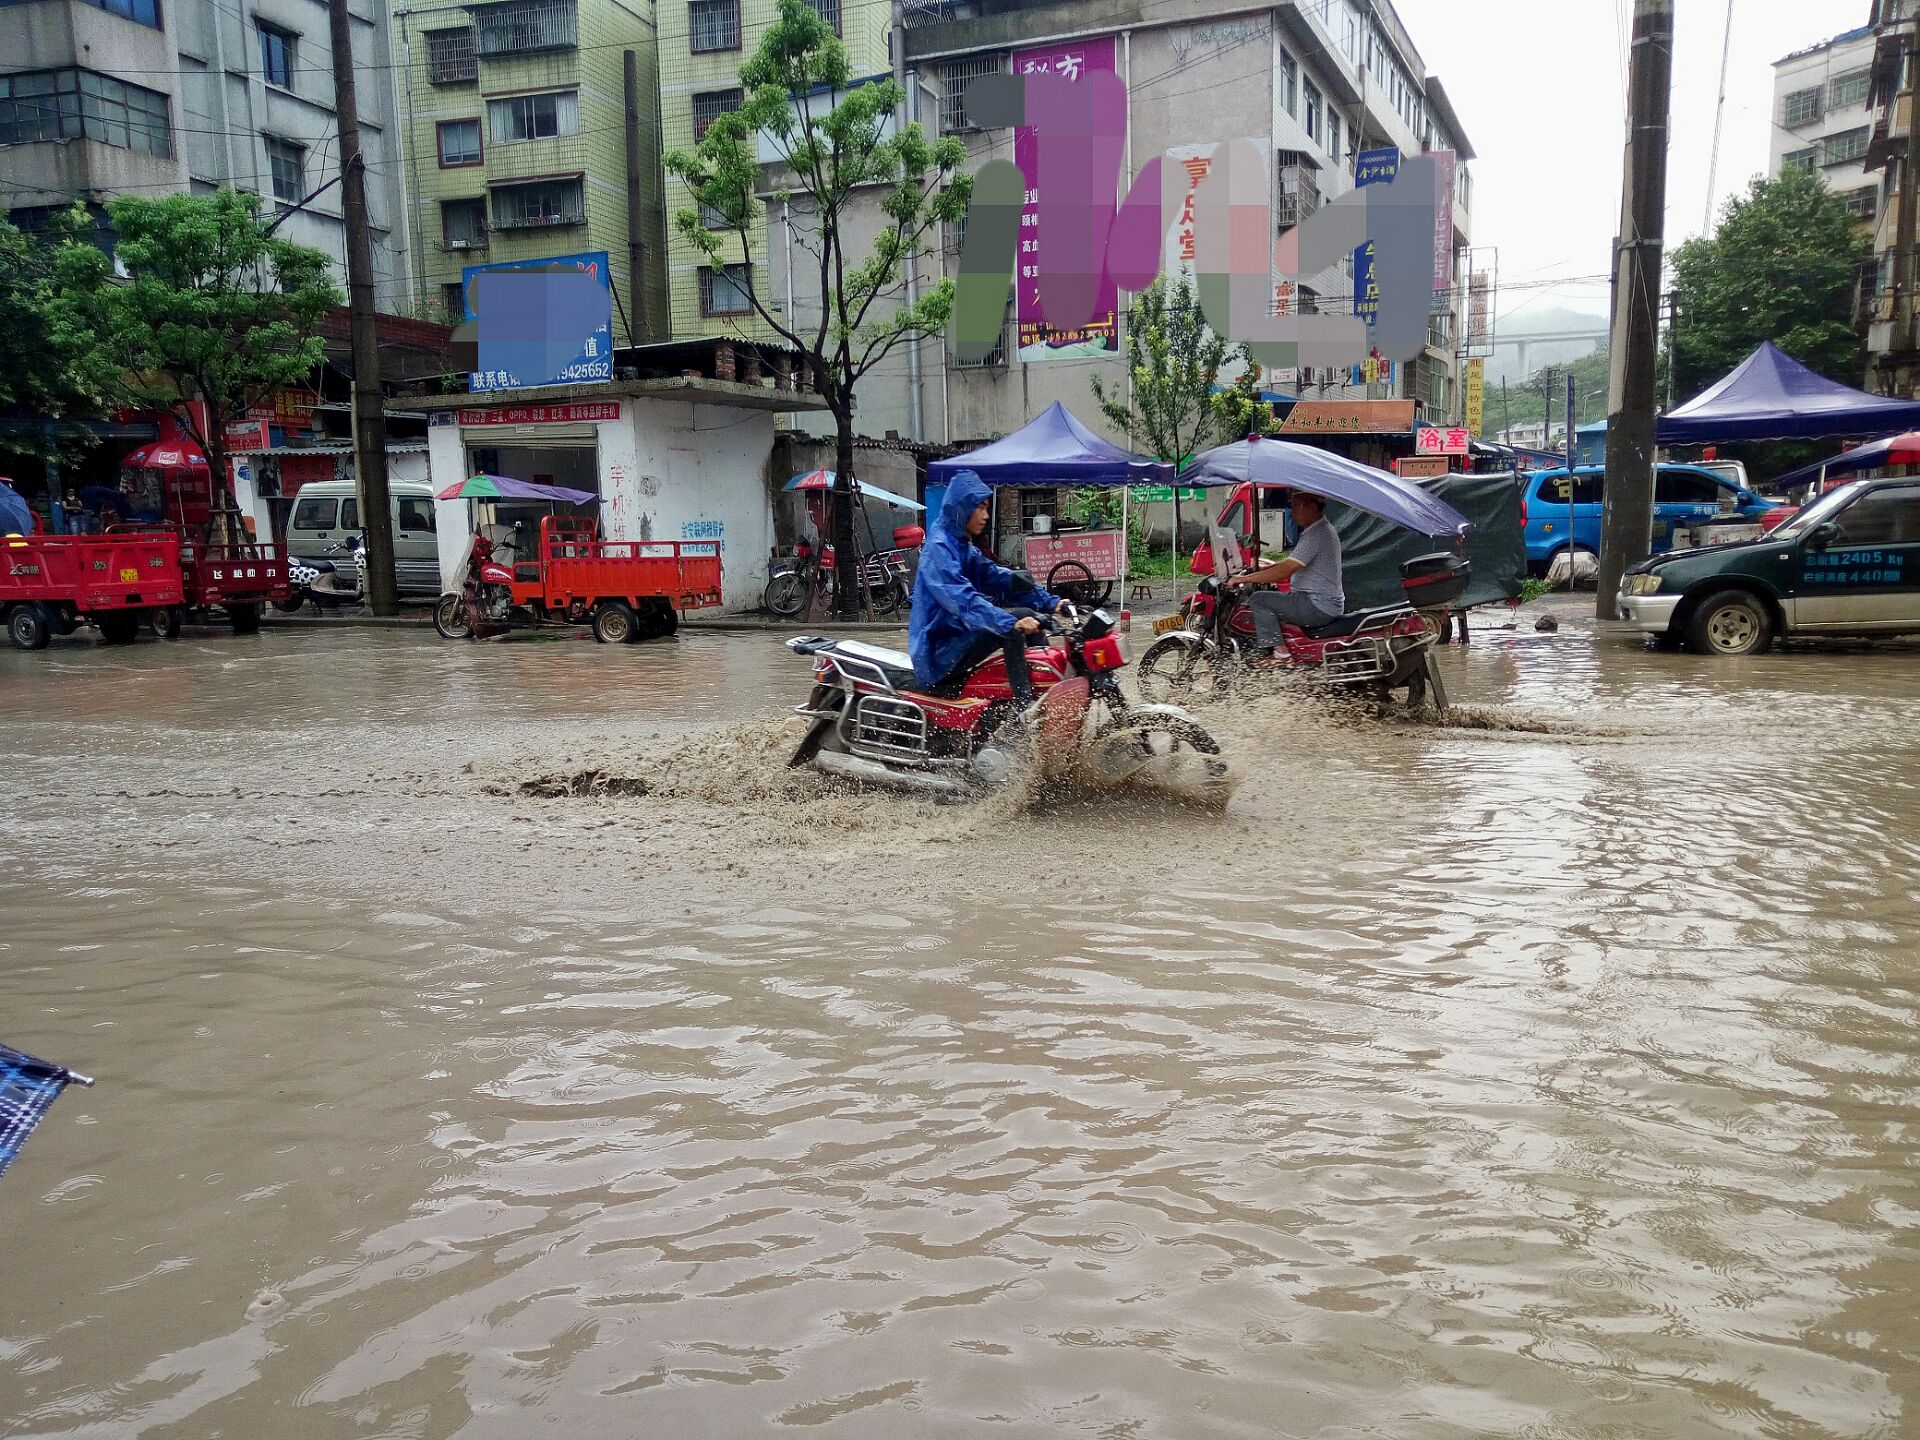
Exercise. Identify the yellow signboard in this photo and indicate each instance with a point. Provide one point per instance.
(1476, 395)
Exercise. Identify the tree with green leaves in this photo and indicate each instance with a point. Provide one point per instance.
(854, 169)
(1178, 406)
(215, 310)
(1781, 265)
(51, 365)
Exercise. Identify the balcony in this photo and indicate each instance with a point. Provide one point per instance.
(520, 27)
(1299, 191)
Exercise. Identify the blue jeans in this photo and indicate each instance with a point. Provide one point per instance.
(1273, 608)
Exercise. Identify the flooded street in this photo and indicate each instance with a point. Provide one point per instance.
(1549, 1073)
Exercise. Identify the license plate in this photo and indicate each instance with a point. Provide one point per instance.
(1169, 622)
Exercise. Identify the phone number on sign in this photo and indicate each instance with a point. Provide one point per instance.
(587, 370)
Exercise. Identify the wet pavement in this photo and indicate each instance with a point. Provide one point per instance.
(1548, 1073)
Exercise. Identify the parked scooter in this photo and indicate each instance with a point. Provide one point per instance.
(337, 577)
(1379, 651)
(871, 720)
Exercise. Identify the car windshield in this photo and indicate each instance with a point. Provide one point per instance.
(1823, 509)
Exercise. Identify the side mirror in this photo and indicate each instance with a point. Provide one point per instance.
(1823, 536)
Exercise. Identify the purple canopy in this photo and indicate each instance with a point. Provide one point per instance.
(1285, 464)
(1772, 396)
(505, 487)
(1053, 448)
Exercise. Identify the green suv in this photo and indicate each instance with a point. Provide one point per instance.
(1848, 564)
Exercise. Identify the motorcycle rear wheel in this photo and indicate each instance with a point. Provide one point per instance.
(787, 593)
(1176, 669)
(452, 618)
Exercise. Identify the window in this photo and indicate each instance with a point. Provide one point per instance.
(518, 26)
(276, 54)
(713, 25)
(1801, 108)
(724, 291)
(996, 358)
(713, 217)
(459, 142)
(1882, 517)
(1333, 134)
(1798, 160)
(413, 512)
(539, 203)
(1862, 204)
(827, 10)
(144, 12)
(77, 105)
(955, 79)
(1289, 82)
(463, 224)
(450, 57)
(534, 117)
(710, 105)
(1848, 89)
(1685, 487)
(454, 296)
(1847, 145)
(285, 163)
(349, 514)
(314, 514)
(1312, 121)
(1586, 489)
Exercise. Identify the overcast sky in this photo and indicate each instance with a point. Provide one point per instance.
(1541, 90)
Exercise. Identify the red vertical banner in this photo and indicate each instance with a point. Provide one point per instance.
(1038, 340)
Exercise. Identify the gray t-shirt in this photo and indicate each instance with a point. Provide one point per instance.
(1318, 551)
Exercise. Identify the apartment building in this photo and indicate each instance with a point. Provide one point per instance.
(1822, 121)
(702, 46)
(533, 131)
(1889, 312)
(1313, 82)
(103, 98)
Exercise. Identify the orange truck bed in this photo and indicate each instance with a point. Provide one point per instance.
(582, 569)
(132, 570)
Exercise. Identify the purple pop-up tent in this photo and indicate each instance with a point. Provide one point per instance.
(1053, 448)
(1772, 396)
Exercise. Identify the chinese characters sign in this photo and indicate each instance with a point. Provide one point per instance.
(1476, 396)
(1440, 440)
(1349, 417)
(1371, 167)
(541, 322)
(1068, 163)
(542, 414)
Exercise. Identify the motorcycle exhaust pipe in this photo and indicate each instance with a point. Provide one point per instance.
(852, 767)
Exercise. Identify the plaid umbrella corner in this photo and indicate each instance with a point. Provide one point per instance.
(27, 1088)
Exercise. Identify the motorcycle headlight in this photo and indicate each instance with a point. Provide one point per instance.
(1648, 584)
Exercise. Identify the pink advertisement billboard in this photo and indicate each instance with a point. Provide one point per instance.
(1100, 336)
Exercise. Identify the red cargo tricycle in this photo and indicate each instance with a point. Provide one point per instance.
(52, 584)
(625, 589)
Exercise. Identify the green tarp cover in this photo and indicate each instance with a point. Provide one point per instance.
(1372, 551)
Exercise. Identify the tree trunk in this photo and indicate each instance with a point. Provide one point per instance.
(223, 525)
(846, 561)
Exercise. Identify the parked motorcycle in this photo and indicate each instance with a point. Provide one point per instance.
(1379, 651)
(871, 720)
(888, 578)
(336, 577)
(483, 605)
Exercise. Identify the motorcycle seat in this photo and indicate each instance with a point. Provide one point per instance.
(1351, 621)
(894, 664)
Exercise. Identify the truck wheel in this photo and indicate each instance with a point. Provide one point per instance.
(118, 627)
(245, 618)
(28, 629)
(614, 622)
(657, 621)
(166, 621)
(1729, 623)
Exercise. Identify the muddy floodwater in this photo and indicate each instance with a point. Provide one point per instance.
(1551, 1074)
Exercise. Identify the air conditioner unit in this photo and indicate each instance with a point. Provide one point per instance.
(461, 244)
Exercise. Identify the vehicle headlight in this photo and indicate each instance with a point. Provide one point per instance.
(1648, 584)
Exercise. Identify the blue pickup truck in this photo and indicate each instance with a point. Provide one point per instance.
(1682, 495)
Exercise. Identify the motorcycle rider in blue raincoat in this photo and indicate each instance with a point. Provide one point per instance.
(958, 594)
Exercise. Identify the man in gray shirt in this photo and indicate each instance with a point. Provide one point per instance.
(1315, 593)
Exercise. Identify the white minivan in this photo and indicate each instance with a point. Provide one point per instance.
(326, 512)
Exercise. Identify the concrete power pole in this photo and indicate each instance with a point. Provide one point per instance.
(1626, 533)
(369, 414)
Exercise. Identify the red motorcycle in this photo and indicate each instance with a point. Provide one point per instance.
(871, 720)
(1381, 650)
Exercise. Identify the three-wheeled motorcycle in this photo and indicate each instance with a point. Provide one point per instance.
(1381, 650)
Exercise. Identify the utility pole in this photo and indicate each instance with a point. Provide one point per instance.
(1546, 425)
(369, 413)
(1903, 268)
(1626, 533)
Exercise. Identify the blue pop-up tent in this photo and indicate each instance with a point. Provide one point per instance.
(1772, 396)
(1053, 448)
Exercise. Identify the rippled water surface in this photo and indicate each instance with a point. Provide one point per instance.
(1551, 1073)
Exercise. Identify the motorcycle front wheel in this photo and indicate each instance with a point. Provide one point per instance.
(452, 618)
(787, 593)
(1169, 751)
